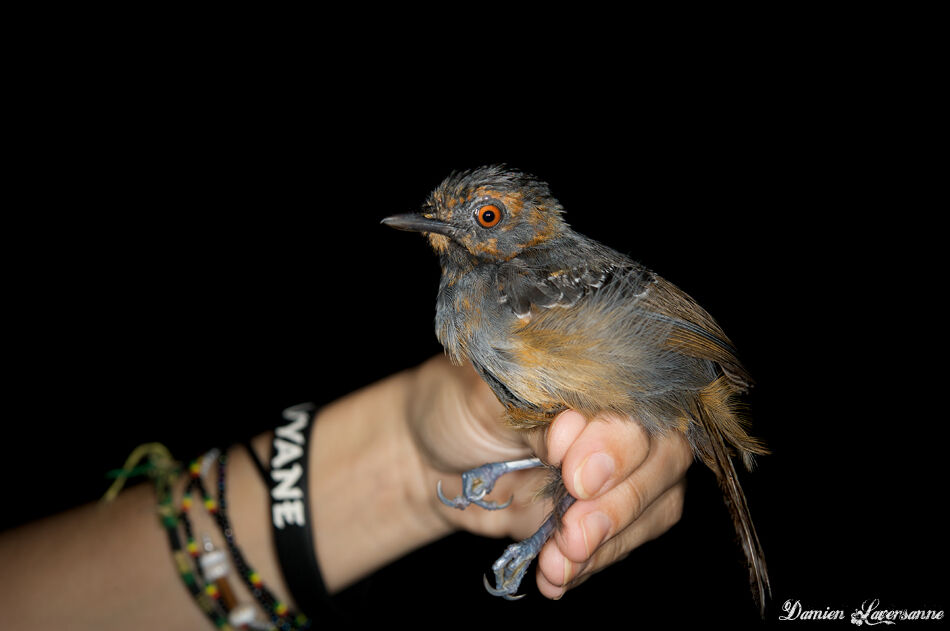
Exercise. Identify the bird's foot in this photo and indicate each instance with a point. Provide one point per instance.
(478, 482)
(510, 568)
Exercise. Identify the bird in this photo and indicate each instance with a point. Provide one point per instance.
(554, 320)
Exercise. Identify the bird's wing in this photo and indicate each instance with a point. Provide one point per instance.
(694, 332)
(525, 285)
(532, 284)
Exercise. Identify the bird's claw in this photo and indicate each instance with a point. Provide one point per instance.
(476, 484)
(510, 569)
(501, 592)
(459, 502)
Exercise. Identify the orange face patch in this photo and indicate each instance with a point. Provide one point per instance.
(439, 242)
(514, 202)
(489, 246)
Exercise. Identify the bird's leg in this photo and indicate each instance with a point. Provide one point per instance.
(510, 568)
(478, 482)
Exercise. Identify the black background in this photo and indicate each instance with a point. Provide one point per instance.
(189, 254)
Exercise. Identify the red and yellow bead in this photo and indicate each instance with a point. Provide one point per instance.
(255, 579)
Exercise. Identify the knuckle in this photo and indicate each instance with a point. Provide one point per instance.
(674, 514)
(610, 554)
(634, 497)
(673, 506)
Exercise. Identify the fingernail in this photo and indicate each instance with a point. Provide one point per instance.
(595, 527)
(593, 474)
(568, 571)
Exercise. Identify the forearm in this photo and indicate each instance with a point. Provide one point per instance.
(110, 567)
(96, 568)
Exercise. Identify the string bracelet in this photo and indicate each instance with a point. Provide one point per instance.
(204, 569)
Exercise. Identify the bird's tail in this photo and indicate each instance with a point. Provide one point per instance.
(717, 455)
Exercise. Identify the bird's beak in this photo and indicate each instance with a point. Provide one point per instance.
(417, 223)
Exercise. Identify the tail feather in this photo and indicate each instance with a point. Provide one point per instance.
(718, 459)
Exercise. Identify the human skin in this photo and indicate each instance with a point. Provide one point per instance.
(376, 456)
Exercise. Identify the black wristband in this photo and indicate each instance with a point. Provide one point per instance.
(290, 511)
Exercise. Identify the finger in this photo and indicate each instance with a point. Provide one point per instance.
(606, 451)
(564, 430)
(556, 573)
(587, 524)
(662, 515)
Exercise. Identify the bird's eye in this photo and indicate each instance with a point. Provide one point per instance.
(488, 215)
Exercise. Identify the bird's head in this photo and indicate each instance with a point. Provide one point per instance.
(490, 213)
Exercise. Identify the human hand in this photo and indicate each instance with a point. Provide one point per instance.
(630, 487)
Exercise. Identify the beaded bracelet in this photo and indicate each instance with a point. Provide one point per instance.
(211, 593)
(208, 605)
(281, 617)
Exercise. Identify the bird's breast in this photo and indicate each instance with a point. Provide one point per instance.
(603, 352)
(471, 322)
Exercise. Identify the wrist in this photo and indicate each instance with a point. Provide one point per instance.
(368, 501)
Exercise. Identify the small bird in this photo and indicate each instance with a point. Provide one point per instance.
(552, 320)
